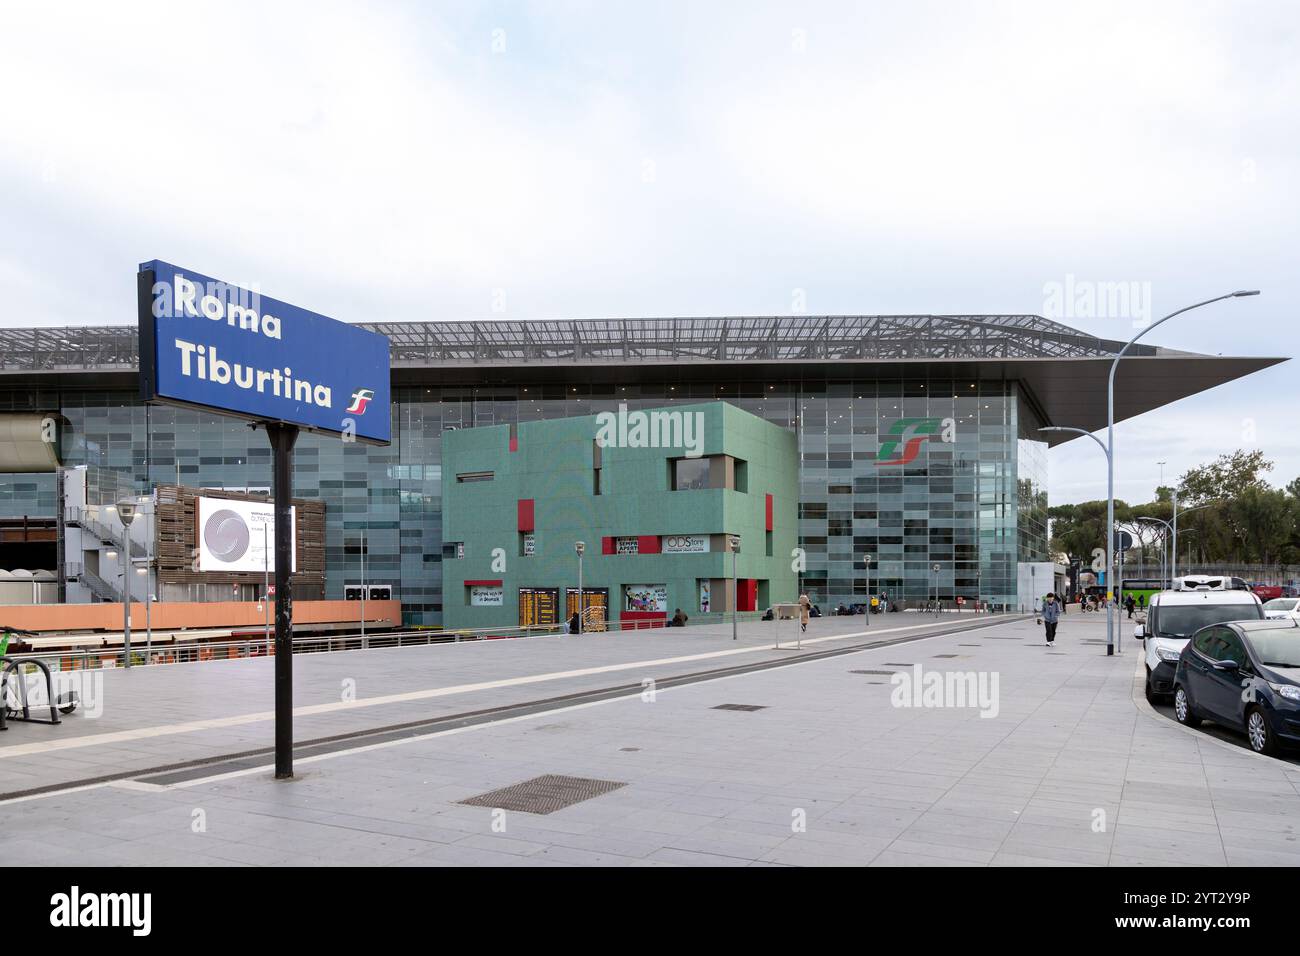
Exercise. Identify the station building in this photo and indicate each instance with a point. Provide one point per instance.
(916, 441)
(692, 507)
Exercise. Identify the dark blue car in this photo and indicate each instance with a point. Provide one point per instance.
(1244, 675)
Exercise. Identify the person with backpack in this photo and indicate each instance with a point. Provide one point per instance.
(1049, 616)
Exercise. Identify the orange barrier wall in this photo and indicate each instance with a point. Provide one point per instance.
(176, 615)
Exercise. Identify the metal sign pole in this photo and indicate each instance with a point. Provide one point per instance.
(282, 438)
(364, 588)
(266, 591)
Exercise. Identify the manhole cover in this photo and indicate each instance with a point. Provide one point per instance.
(886, 673)
(544, 794)
(745, 707)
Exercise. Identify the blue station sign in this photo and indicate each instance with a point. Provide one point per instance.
(213, 345)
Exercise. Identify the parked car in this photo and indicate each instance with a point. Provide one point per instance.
(1173, 616)
(1283, 607)
(1244, 675)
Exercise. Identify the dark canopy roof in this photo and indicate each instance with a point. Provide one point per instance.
(1063, 369)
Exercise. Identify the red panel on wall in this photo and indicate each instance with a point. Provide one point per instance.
(647, 544)
(769, 512)
(526, 514)
(748, 597)
(629, 620)
(607, 545)
(484, 584)
(514, 442)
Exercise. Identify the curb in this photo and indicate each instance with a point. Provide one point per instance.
(1144, 707)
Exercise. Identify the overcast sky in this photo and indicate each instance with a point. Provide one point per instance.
(569, 160)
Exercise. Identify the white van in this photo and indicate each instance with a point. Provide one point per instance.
(1174, 616)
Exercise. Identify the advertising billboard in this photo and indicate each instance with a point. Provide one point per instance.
(685, 543)
(486, 595)
(212, 345)
(645, 597)
(239, 536)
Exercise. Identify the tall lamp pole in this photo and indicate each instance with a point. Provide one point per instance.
(866, 559)
(1173, 564)
(579, 548)
(126, 512)
(363, 587)
(1163, 548)
(1110, 443)
(1105, 450)
(735, 585)
(150, 531)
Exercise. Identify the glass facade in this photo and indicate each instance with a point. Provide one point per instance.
(940, 480)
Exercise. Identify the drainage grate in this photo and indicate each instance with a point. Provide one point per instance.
(544, 794)
(896, 664)
(628, 750)
(1093, 640)
(970, 645)
(885, 673)
(945, 655)
(744, 707)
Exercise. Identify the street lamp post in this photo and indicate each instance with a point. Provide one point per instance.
(150, 530)
(1110, 646)
(1174, 560)
(1110, 444)
(866, 559)
(735, 585)
(126, 512)
(266, 591)
(1163, 547)
(579, 548)
(363, 588)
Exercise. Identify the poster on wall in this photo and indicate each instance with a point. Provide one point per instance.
(627, 546)
(705, 595)
(645, 597)
(486, 595)
(685, 544)
(239, 536)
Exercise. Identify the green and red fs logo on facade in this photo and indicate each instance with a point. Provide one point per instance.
(902, 443)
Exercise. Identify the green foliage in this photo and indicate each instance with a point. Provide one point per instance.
(1228, 476)
(1240, 518)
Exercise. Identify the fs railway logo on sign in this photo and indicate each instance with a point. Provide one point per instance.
(219, 346)
(360, 399)
(902, 443)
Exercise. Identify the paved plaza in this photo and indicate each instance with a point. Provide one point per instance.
(1064, 764)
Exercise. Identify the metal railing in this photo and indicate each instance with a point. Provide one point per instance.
(185, 651)
(99, 587)
(78, 517)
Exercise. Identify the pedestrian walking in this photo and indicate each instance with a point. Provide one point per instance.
(1050, 614)
(805, 608)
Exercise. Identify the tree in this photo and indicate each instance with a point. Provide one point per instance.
(1228, 476)
(1079, 529)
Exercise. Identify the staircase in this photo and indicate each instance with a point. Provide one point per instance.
(103, 532)
(99, 587)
